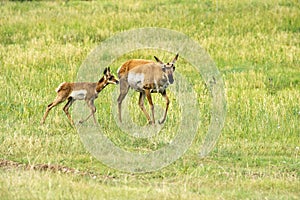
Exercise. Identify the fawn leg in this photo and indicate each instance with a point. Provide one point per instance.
(57, 101)
(91, 105)
(66, 109)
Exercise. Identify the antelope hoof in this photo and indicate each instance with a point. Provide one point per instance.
(151, 123)
(161, 121)
(81, 122)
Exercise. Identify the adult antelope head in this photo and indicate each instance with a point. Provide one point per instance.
(168, 68)
(146, 77)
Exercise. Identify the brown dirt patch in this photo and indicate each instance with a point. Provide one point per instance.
(8, 165)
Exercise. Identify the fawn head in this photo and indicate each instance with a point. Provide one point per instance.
(109, 78)
(168, 68)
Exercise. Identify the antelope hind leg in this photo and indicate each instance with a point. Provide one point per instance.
(124, 87)
(66, 109)
(57, 101)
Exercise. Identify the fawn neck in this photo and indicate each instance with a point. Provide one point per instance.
(102, 83)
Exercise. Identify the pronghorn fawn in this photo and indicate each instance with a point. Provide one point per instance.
(146, 77)
(87, 91)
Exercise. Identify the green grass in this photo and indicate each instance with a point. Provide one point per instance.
(256, 47)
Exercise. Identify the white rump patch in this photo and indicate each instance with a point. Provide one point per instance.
(78, 94)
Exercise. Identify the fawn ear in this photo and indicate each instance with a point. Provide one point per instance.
(157, 60)
(175, 59)
(105, 71)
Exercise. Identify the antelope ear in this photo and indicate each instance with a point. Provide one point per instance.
(157, 60)
(105, 71)
(175, 59)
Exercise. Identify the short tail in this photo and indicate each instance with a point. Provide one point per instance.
(59, 87)
(118, 71)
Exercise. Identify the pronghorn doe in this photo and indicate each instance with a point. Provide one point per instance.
(87, 91)
(146, 77)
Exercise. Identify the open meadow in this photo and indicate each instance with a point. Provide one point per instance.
(254, 44)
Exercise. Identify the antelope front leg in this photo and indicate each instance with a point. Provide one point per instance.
(141, 104)
(148, 95)
(93, 110)
(162, 120)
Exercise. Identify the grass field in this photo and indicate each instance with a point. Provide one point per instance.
(256, 47)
